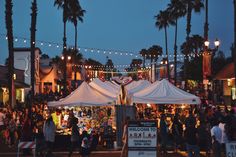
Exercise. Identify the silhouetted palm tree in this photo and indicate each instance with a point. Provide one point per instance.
(8, 18)
(163, 20)
(191, 5)
(177, 9)
(234, 56)
(76, 13)
(32, 46)
(143, 53)
(63, 4)
(153, 54)
(195, 45)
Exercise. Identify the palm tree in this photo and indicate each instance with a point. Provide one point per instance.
(163, 20)
(143, 53)
(177, 9)
(196, 6)
(8, 18)
(153, 54)
(76, 60)
(76, 13)
(32, 45)
(63, 4)
(194, 44)
(234, 56)
(192, 5)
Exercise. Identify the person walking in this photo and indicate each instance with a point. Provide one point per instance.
(49, 129)
(191, 137)
(177, 131)
(216, 134)
(85, 144)
(74, 136)
(163, 134)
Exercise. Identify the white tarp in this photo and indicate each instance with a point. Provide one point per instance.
(136, 86)
(83, 95)
(105, 88)
(164, 92)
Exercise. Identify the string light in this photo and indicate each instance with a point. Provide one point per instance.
(111, 52)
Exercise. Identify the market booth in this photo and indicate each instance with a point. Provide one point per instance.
(163, 97)
(92, 108)
(163, 92)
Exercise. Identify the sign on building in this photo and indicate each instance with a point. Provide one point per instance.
(231, 149)
(142, 139)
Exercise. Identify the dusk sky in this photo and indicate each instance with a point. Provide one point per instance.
(122, 25)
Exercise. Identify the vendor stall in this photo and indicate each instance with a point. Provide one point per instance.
(164, 92)
(93, 109)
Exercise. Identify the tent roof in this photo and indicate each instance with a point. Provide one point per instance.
(164, 92)
(136, 86)
(83, 95)
(105, 88)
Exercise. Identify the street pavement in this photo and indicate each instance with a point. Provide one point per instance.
(5, 151)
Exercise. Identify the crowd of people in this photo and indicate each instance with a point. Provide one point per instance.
(37, 124)
(206, 129)
(194, 129)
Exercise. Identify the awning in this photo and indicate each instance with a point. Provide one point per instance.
(4, 83)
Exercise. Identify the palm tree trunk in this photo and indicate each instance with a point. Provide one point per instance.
(76, 37)
(32, 45)
(8, 18)
(188, 30)
(144, 61)
(64, 43)
(75, 54)
(189, 16)
(175, 50)
(167, 54)
(233, 104)
(151, 69)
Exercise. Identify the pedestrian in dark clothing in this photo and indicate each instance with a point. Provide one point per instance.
(94, 138)
(49, 130)
(85, 145)
(74, 136)
(204, 137)
(163, 134)
(177, 131)
(191, 136)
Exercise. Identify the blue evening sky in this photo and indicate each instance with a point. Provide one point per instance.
(123, 25)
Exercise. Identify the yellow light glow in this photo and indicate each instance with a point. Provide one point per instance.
(217, 43)
(14, 76)
(207, 43)
(229, 82)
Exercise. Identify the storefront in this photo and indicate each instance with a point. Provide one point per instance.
(226, 77)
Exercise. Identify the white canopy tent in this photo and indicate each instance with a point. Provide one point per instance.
(84, 95)
(105, 88)
(137, 86)
(164, 92)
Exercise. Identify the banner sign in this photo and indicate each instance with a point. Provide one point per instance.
(231, 149)
(142, 139)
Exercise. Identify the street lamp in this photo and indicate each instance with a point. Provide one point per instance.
(164, 62)
(208, 62)
(216, 43)
(65, 69)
